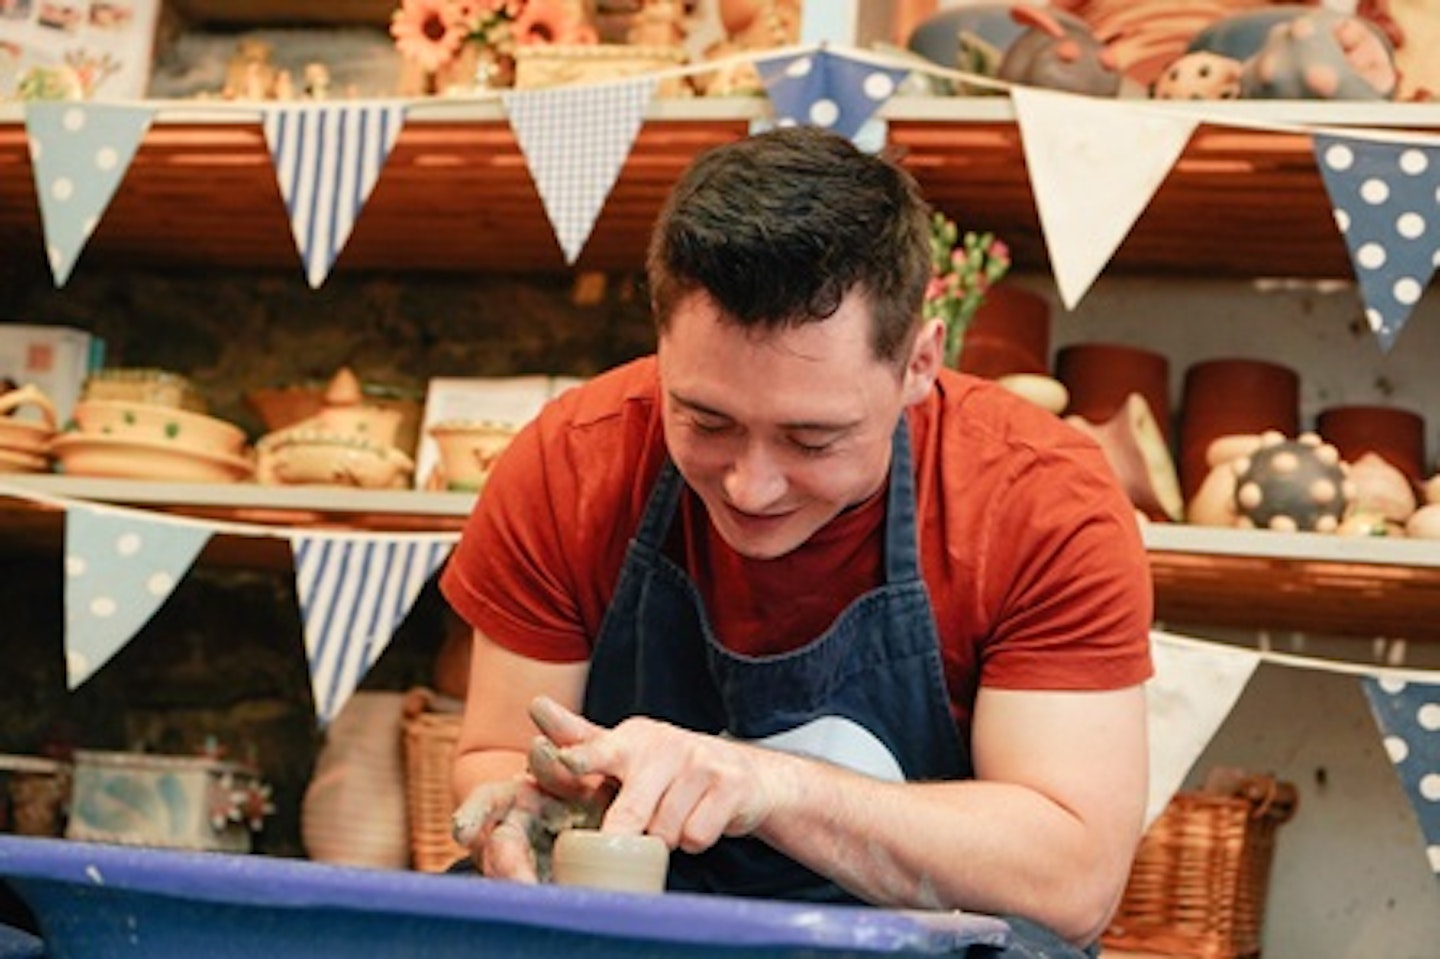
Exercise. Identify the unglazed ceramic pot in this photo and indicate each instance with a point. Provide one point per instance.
(1101, 377)
(602, 860)
(1395, 435)
(1232, 396)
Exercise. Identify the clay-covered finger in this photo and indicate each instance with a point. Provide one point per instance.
(509, 851)
(486, 805)
(559, 724)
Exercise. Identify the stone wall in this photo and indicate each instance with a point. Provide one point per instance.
(223, 659)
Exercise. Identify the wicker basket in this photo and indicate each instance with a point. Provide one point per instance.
(430, 739)
(1198, 884)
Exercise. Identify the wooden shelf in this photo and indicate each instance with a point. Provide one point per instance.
(1360, 587)
(456, 194)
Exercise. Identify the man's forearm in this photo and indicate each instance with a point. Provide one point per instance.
(974, 845)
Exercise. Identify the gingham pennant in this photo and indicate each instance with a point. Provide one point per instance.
(1408, 714)
(1386, 198)
(79, 153)
(354, 593)
(824, 89)
(119, 569)
(576, 141)
(327, 159)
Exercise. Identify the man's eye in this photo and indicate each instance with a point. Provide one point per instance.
(709, 426)
(814, 449)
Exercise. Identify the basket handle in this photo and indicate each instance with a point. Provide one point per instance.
(1270, 797)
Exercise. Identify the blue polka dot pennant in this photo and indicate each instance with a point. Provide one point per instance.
(1408, 714)
(327, 161)
(354, 593)
(1386, 198)
(824, 89)
(119, 569)
(79, 153)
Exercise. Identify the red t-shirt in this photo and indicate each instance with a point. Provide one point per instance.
(1029, 549)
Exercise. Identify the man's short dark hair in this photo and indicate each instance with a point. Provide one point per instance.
(779, 227)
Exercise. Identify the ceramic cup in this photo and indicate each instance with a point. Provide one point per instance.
(1101, 377)
(1232, 396)
(1395, 435)
(601, 860)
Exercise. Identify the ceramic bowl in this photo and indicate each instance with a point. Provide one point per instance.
(26, 437)
(81, 454)
(195, 432)
(602, 860)
(468, 450)
(310, 457)
(143, 385)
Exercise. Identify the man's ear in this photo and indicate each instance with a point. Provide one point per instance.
(927, 355)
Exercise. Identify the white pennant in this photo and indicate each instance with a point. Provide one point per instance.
(327, 160)
(119, 569)
(1094, 164)
(1195, 686)
(79, 152)
(576, 140)
(354, 593)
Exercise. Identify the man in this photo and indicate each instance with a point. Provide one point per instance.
(832, 621)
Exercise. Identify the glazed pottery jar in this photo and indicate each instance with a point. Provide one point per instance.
(1395, 435)
(1232, 396)
(1101, 376)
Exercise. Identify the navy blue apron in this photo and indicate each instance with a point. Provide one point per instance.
(873, 682)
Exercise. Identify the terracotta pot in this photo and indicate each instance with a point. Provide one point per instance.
(1100, 376)
(1395, 435)
(1010, 333)
(1231, 396)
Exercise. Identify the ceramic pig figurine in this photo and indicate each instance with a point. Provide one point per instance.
(1059, 55)
(1321, 56)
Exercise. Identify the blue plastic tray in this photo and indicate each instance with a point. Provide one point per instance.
(96, 901)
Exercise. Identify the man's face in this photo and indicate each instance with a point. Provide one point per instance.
(778, 432)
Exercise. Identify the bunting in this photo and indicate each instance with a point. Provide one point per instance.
(1386, 198)
(1408, 714)
(1094, 165)
(79, 153)
(119, 569)
(355, 589)
(354, 592)
(576, 140)
(1195, 687)
(824, 89)
(327, 160)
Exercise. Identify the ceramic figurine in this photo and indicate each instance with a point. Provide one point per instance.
(1059, 55)
(1200, 75)
(1321, 56)
(1290, 485)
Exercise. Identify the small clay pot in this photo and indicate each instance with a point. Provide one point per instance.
(602, 860)
(1395, 435)
(1232, 396)
(1102, 376)
(1009, 334)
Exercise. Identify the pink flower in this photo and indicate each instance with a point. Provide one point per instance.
(426, 32)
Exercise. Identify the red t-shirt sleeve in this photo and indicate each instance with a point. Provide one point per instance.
(1069, 577)
(542, 549)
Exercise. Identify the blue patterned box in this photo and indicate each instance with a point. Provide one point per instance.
(174, 802)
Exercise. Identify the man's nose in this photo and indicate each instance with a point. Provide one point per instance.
(755, 480)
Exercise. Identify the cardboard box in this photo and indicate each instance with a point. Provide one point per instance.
(57, 359)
